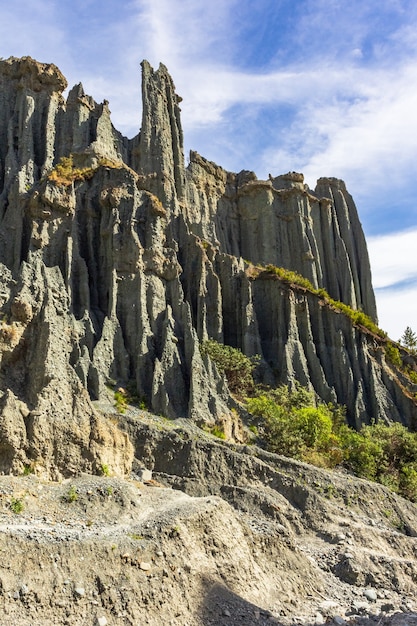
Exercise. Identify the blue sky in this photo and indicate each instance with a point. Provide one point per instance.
(325, 87)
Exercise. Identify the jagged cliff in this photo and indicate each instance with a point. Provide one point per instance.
(116, 266)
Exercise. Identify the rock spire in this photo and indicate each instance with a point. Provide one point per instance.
(117, 261)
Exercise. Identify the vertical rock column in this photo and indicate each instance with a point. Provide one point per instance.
(350, 260)
(161, 156)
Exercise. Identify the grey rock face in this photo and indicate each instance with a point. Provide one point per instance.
(116, 272)
(282, 222)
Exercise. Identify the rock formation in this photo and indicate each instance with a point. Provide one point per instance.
(117, 261)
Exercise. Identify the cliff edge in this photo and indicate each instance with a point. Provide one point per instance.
(117, 262)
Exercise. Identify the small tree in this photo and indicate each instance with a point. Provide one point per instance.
(409, 340)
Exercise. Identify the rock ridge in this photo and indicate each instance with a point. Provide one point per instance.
(114, 269)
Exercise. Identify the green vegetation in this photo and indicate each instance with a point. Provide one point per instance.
(409, 340)
(104, 470)
(16, 505)
(28, 469)
(231, 362)
(124, 397)
(218, 431)
(290, 423)
(359, 318)
(71, 495)
(120, 401)
(384, 453)
(392, 354)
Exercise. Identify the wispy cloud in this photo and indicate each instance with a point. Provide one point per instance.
(397, 309)
(394, 273)
(393, 259)
(320, 86)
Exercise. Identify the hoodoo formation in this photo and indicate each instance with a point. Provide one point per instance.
(116, 268)
(117, 264)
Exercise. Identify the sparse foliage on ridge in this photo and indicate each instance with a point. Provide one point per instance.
(359, 318)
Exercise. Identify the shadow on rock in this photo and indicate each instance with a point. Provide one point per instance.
(223, 607)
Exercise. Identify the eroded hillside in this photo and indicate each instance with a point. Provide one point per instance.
(116, 263)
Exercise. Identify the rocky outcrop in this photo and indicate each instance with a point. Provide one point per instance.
(116, 263)
(282, 222)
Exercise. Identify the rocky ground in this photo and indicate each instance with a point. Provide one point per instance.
(243, 538)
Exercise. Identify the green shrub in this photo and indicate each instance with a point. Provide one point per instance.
(412, 375)
(104, 470)
(361, 454)
(16, 505)
(315, 426)
(124, 397)
(408, 481)
(120, 401)
(385, 453)
(71, 495)
(392, 355)
(218, 431)
(289, 423)
(231, 362)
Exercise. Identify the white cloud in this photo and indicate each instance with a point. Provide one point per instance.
(351, 91)
(394, 272)
(393, 258)
(397, 309)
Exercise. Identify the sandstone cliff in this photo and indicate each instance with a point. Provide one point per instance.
(117, 262)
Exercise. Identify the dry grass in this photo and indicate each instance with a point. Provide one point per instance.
(64, 173)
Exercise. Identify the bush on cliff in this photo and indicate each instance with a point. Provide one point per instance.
(385, 453)
(231, 362)
(290, 424)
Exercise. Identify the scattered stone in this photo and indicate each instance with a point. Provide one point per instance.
(102, 621)
(144, 475)
(79, 591)
(360, 607)
(328, 608)
(143, 565)
(370, 594)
